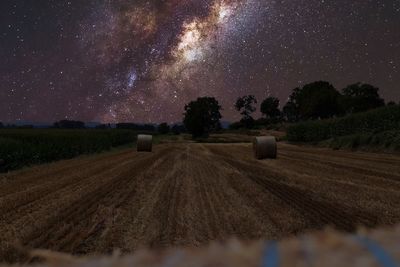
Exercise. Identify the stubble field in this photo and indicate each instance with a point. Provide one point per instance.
(188, 194)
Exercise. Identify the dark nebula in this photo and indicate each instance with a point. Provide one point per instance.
(137, 60)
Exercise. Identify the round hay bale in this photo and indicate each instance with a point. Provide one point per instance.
(265, 147)
(144, 143)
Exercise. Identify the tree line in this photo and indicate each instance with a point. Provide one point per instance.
(318, 100)
(314, 101)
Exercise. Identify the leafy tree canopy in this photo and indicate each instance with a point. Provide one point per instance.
(270, 108)
(202, 116)
(291, 109)
(361, 97)
(319, 100)
(246, 107)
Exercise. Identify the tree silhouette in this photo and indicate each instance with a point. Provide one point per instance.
(270, 109)
(291, 109)
(318, 100)
(245, 105)
(361, 97)
(202, 116)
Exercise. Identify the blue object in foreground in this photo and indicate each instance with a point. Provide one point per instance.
(271, 255)
(383, 258)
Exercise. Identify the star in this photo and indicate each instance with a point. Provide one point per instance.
(143, 60)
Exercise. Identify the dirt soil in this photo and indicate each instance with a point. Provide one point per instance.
(189, 194)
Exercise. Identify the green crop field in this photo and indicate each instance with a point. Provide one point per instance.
(371, 122)
(377, 129)
(24, 147)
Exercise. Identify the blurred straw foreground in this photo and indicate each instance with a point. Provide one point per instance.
(325, 248)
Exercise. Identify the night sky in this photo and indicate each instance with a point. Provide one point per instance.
(142, 61)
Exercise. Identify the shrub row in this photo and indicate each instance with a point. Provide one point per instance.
(387, 141)
(374, 121)
(20, 148)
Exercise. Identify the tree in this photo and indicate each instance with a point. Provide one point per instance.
(390, 103)
(270, 109)
(202, 116)
(291, 111)
(245, 106)
(163, 128)
(1, 125)
(361, 97)
(318, 100)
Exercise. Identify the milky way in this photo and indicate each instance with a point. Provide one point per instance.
(137, 60)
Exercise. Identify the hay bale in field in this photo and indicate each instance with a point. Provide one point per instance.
(265, 147)
(144, 143)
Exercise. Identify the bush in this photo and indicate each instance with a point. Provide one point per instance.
(389, 140)
(374, 121)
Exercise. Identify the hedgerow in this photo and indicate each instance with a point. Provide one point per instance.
(374, 121)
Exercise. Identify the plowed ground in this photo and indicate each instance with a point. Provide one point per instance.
(190, 194)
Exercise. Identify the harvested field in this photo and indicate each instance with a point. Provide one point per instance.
(188, 194)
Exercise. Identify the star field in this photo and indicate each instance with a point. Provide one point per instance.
(143, 60)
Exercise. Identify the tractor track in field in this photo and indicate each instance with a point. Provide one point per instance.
(30, 177)
(112, 193)
(187, 194)
(318, 213)
(169, 200)
(21, 200)
(365, 169)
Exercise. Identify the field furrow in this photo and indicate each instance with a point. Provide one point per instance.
(188, 194)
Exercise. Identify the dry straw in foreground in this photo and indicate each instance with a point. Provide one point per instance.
(328, 248)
